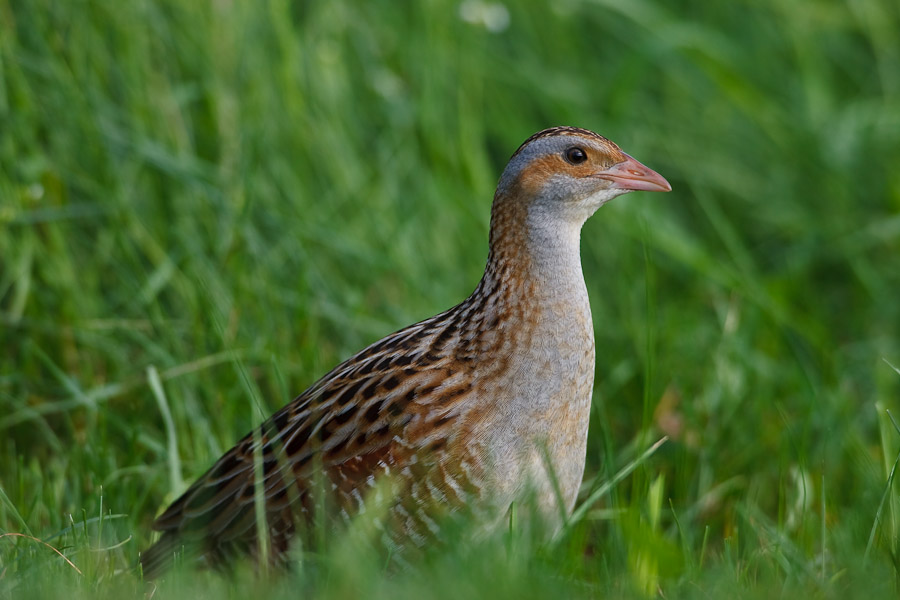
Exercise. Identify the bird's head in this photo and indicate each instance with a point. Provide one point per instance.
(569, 172)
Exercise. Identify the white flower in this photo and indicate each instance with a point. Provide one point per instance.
(493, 16)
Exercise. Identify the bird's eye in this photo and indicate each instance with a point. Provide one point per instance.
(575, 155)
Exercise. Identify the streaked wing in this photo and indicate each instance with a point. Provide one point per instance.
(362, 419)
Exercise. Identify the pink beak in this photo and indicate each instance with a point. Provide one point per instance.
(632, 175)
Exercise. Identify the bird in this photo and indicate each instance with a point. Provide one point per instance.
(473, 407)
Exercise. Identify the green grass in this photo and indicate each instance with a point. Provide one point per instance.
(206, 205)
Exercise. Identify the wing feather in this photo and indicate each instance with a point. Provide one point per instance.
(355, 419)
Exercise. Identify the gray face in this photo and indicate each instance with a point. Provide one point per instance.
(558, 184)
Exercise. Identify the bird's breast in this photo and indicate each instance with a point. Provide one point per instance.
(538, 390)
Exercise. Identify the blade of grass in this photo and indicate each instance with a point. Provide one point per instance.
(581, 511)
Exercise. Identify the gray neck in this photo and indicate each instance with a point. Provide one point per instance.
(553, 245)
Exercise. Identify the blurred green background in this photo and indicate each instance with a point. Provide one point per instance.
(204, 206)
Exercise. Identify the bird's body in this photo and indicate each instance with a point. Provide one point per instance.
(476, 406)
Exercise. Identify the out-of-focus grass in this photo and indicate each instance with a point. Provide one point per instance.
(201, 188)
